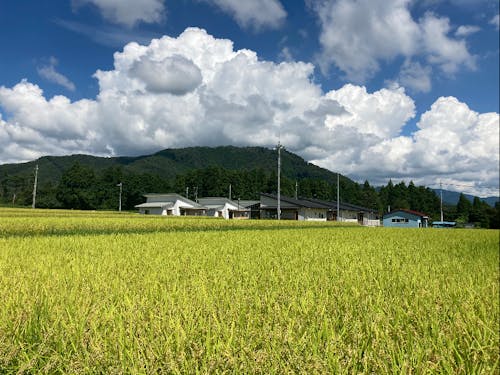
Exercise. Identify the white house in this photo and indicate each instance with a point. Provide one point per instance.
(223, 207)
(170, 205)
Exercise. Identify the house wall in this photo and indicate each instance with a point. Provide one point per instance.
(348, 216)
(212, 212)
(371, 222)
(312, 214)
(287, 214)
(181, 208)
(176, 211)
(241, 215)
(152, 211)
(401, 220)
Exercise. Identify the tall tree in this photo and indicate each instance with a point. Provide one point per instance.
(464, 208)
(77, 188)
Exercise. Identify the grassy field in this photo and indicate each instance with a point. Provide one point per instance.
(97, 292)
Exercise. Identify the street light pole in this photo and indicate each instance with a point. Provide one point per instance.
(279, 180)
(34, 187)
(441, 194)
(120, 197)
(338, 197)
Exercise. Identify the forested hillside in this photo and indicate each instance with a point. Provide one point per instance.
(89, 182)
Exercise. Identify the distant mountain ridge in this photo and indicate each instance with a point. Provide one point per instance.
(451, 197)
(170, 162)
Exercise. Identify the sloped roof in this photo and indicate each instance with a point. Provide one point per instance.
(248, 203)
(411, 212)
(154, 205)
(172, 198)
(287, 202)
(342, 205)
(218, 203)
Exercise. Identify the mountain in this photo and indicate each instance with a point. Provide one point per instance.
(170, 162)
(451, 197)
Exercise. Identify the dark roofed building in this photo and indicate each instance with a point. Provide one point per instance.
(291, 208)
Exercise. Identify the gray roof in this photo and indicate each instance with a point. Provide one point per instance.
(342, 205)
(409, 212)
(154, 205)
(173, 197)
(287, 202)
(248, 203)
(219, 202)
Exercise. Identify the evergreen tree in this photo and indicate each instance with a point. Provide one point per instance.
(464, 208)
(76, 189)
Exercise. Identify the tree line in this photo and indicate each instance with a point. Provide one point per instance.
(81, 187)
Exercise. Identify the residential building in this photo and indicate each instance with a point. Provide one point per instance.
(170, 205)
(225, 208)
(291, 208)
(403, 218)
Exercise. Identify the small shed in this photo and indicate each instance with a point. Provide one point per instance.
(403, 218)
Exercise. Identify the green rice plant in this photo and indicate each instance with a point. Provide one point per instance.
(110, 293)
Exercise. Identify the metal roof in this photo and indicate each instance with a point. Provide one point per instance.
(342, 205)
(173, 197)
(154, 205)
(411, 212)
(293, 203)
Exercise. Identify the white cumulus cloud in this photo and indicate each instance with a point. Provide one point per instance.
(466, 30)
(127, 12)
(197, 90)
(175, 74)
(358, 36)
(50, 73)
(415, 76)
(253, 14)
(495, 21)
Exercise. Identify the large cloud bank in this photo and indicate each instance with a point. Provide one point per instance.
(197, 90)
(358, 36)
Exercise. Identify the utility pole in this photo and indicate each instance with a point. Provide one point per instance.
(279, 181)
(338, 197)
(441, 194)
(196, 194)
(187, 192)
(34, 187)
(229, 191)
(120, 197)
(296, 190)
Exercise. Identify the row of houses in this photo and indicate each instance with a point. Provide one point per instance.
(266, 208)
(177, 205)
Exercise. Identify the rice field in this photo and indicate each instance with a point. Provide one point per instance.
(101, 292)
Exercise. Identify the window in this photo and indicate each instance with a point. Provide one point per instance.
(399, 220)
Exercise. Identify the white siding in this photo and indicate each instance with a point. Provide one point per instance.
(312, 214)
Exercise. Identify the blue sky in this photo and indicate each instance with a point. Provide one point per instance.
(375, 89)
